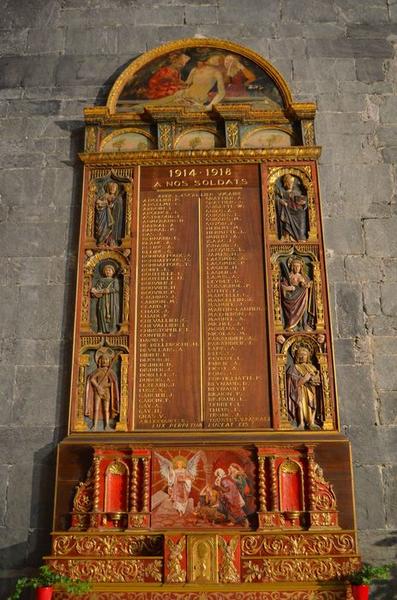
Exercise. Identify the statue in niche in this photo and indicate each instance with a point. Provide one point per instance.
(102, 400)
(106, 294)
(303, 389)
(109, 216)
(291, 209)
(297, 295)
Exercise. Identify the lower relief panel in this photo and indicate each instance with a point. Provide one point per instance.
(265, 521)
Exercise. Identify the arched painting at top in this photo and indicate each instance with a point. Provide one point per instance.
(197, 78)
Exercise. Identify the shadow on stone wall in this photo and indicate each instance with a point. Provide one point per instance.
(387, 590)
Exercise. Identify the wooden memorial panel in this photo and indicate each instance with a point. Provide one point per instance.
(201, 355)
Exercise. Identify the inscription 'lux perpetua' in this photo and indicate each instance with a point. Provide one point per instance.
(201, 352)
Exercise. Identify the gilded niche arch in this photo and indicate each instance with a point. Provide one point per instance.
(168, 76)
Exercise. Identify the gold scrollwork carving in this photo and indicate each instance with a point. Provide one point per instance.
(106, 545)
(176, 573)
(115, 571)
(298, 545)
(296, 569)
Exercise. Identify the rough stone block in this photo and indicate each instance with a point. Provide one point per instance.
(385, 373)
(36, 395)
(159, 15)
(356, 397)
(343, 236)
(372, 299)
(291, 48)
(370, 70)
(363, 268)
(315, 69)
(253, 12)
(388, 110)
(335, 267)
(390, 269)
(78, 70)
(18, 443)
(371, 444)
(388, 407)
(8, 317)
(366, 190)
(310, 30)
(198, 15)
(34, 107)
(41, 309)
(13, 41)
(343, 48)
(370, 507)
(29, 271)
(380, 238)
(47, 240)
(4, 471)
(344, 351)
(52, 41)
(17, 14)
(349, 309)
(389, 299)
(19, 495)
(299, 12)
(21, 187)
(92, 41)
(390, 477)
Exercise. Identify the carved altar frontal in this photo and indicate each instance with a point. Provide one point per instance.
(204, 458)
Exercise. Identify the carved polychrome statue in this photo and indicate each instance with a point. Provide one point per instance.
(106, 296)
(109, 216)
(297, 296)
(102, 402)
(291, 208)
(303, 389)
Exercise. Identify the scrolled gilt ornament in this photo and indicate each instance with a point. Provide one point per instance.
(176, 573)
(115, 571)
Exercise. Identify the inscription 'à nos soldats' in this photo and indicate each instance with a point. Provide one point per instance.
(201, 352)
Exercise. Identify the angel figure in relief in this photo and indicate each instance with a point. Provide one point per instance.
(179, 473)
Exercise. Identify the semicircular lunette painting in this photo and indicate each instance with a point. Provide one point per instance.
(197, 78)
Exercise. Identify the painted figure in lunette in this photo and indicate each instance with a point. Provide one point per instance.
(291, 208)
(102, 401)
(297, 297)
(106, 293)
(303, 389)
(109, 216)
(237, 77)
(167, 80)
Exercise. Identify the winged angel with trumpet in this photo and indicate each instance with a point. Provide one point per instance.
(179, 473)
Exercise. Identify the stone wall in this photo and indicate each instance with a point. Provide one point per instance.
(58, 56)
